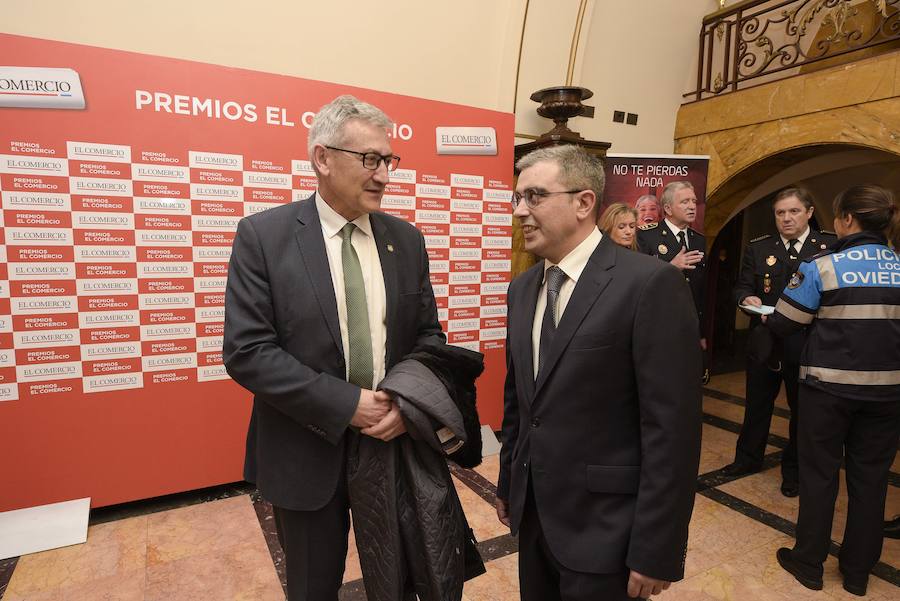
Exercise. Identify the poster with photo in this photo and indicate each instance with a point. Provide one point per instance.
(638, 180)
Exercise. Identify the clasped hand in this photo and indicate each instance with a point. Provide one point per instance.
(378, 416)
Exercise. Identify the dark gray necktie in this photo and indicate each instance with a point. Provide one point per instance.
(682, 238)
(555, 278)
(794, 247)
(360, 336)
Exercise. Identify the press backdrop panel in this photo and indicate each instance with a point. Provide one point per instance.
(117, 225)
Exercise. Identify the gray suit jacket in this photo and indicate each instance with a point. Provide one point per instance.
(283, 343)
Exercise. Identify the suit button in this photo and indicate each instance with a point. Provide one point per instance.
(536, 422)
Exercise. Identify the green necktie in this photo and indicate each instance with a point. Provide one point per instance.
(360, 360)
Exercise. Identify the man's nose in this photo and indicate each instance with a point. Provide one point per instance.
(520, 210)
(381, 173)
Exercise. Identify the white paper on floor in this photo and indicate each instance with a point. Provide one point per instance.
(44, 527)
(489, 443)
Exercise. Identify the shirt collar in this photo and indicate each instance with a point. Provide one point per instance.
(802, 238)
(333, 222)
(674, 229)
(574, 263)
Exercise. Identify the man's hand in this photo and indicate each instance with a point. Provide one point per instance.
(373, 406)
(502, 511)
(644, 586)
(391, 425)
(687, 259)
(752, 301)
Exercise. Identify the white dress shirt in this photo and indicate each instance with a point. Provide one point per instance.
(572, 265)
(363, 242)
(801, 238)
(676, 231)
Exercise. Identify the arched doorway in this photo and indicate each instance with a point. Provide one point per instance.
(740, 210)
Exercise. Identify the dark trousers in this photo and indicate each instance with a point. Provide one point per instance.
(543, 578)
(315, 547)
(865, 434)
(763, 385)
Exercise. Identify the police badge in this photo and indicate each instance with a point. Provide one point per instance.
(796, 280)
(770, 260)
(663, 249)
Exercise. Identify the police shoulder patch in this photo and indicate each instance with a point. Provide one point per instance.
(763, 237)
(648, 226)
(796, 280)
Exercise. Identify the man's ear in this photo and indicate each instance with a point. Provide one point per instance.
(810, 211)
(319, 160)
(587, 205)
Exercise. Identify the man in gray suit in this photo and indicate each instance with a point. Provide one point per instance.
(601, 425)
(324, 296)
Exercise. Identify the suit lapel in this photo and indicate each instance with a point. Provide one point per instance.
(591, 284)
(312, 252)
(811, 246)
(388, 259)
(523, 315)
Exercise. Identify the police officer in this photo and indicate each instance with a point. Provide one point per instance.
(849, 384)
(766, 268)
(674, 241)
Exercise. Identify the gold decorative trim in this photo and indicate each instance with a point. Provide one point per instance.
(573, 50)
(519, 60)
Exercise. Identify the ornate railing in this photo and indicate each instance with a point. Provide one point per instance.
(757, 41)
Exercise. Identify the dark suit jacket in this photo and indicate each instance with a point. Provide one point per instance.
(657, 240)
(283, 343)
(610, 432)
(765, 271)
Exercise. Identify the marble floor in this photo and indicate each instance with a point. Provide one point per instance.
(219, 544)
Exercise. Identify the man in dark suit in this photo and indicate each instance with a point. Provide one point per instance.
(674, 241)
(324, 295)
(601, 425)
(766, 268)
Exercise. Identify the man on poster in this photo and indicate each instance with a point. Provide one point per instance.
(601, 426)
(323, 297)
(647, 207)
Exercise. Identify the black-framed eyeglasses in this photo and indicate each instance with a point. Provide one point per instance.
(533, 197)
(371, 160)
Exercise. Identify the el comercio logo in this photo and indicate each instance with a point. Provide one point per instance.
(40, 88)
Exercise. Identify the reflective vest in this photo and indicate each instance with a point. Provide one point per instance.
(849, 297)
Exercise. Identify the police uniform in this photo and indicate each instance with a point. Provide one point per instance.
(849, 396)
(765, 270)
(657, 239)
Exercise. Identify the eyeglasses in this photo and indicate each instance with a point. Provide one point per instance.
(371, 160)
(533, 197)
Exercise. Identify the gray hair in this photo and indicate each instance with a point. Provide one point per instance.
(328, 124)
(578, 170)
(669, 191)
(641, 199)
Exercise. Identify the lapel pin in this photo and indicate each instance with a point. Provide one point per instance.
(390, 248)
(770, 260)
(662, 249)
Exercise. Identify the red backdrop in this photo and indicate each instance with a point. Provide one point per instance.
(171, 431)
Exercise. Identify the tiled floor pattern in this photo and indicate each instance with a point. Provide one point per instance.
(217, 550)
